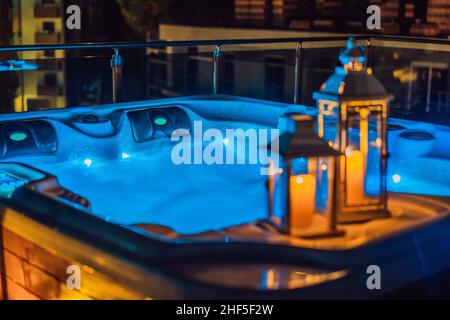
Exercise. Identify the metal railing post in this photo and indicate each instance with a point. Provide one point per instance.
(430, 78)
(116, 66)
(216, 62)
(298, 73)
(368, 53)
(410, 89)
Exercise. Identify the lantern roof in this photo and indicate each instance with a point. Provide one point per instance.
(300, 139)
(352, 81)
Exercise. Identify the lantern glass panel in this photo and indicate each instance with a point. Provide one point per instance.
(303, 195)
(373, 161)
(362, 143)
(327, 121)
(278, 192)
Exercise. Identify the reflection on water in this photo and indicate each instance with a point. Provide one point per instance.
(261, 276)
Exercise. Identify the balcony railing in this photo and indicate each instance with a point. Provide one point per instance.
(217, 57)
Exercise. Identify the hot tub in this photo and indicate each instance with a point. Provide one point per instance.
(98, 155)
(113, 166)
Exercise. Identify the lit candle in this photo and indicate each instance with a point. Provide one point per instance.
(355, 177)
(303, 194)
(364, 132)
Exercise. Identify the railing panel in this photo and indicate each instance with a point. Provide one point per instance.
(415, 70)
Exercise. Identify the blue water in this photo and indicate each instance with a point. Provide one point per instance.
(419, 166)
(151, 189)
(132, 183)
(424, 175)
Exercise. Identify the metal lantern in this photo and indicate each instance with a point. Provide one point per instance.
(301, 188)
(353, 112)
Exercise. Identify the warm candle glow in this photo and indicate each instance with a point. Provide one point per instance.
(320, 126)
(355, 177)
(364, 131)
(303, 195)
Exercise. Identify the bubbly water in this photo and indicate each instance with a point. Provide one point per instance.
(150, 189)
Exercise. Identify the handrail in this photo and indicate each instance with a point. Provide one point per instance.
(162, 44)
(219, 42)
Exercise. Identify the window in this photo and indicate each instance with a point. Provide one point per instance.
(227, 84)
(275, 78)
(48, 27)
(37, 104)
(49, 53)
(192, 71)
(50, 80)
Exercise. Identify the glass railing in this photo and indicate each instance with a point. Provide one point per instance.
(416, 71)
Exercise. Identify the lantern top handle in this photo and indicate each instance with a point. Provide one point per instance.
(353, 56)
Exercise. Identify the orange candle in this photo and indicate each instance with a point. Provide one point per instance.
(355, 177)
(303, 199)
(364, 132)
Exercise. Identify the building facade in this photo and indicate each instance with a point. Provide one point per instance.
(405, 17)
(40, 22)
(436, 22)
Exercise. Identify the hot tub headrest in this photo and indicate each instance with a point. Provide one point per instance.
(27, 137)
